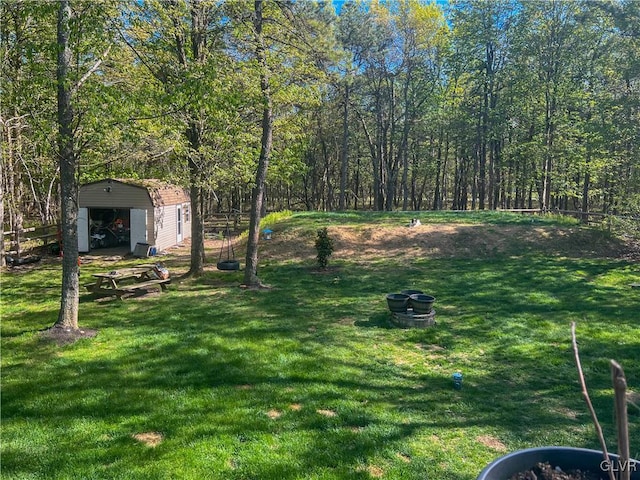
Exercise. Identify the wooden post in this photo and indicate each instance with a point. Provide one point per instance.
(622, 423)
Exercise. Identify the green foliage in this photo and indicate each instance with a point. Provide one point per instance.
(269, 220)
(428, 107)
(324, 247)
(275, 217)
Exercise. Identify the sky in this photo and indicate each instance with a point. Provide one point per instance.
(338, 3)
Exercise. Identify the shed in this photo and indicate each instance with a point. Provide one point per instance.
(122, 212)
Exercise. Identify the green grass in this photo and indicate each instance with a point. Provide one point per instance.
(437, 217)
(307, 380)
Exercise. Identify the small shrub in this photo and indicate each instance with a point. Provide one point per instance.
(324, 246)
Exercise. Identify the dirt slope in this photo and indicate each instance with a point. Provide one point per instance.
(449, 240)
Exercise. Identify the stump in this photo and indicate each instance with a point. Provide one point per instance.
(413, 320)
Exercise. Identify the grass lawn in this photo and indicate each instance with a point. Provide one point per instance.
(307, 380)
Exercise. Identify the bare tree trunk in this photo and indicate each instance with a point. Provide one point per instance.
(547, 167)
(482, 152)
(2, 260)
(68, 315)
(251, 265)
(344, 155)
(13, 185)
(194, 134)
(375, 160)
(197, 228)
(437, 194)
(585, 188)
(404, 143)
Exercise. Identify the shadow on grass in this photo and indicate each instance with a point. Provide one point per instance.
(309, 379)
(379, 320)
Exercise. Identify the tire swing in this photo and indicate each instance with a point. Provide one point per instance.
(230, 263)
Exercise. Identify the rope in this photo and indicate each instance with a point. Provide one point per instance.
(227, 237)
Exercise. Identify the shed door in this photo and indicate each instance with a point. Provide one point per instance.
(83, 229)
(138, 224)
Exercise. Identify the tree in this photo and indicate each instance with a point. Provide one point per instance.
(29, 171)
(501, 104)
(68, 316)
(68, 141)
(354, 41)
(266, 143)
(483, 39)
(177, 42)
(400, 50)
(282, 36)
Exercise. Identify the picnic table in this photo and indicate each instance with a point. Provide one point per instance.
(126, 280)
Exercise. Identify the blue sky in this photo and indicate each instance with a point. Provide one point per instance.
(338, 3)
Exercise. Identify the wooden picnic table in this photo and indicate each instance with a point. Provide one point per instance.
(126, 280)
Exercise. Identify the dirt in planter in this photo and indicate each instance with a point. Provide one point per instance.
(544, 471)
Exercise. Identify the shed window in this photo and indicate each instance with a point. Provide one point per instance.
(187, 214)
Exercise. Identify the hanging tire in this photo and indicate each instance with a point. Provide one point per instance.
(228, 265)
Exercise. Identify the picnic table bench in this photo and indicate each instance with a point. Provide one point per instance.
(126, 280)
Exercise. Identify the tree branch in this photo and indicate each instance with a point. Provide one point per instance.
(95, 67)
(157, 73)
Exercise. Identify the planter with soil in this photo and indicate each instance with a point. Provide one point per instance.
(422, 304)
(556, 463)
(398, 302)
(411, 292)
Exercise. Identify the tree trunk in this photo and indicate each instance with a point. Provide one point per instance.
(404, 143)
(375, 160)
(547, 167)
(68, 315)
(585, 189)
(197, 230)
(344, 155)
(482, 142)
(390, 161)
(443, 180)
(194, 134)
(251, 267)
(2, 252)
(437, 200)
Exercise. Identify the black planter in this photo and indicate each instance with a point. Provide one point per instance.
(411, 292)
(398, 302)
(421, 303)
(567, 458)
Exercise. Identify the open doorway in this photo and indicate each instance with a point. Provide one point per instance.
(109, 227)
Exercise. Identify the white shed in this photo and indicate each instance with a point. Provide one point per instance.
(127, 212)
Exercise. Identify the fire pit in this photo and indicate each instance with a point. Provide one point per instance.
(413, 320)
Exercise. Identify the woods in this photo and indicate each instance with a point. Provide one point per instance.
(376, 105)
(130, 124)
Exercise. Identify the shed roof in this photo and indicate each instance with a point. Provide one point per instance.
(160, 192)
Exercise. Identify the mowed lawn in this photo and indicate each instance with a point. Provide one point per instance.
(307, 380)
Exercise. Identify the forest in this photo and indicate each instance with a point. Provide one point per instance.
(315, 109)
(379, 105)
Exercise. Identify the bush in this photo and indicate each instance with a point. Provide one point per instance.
(324, 246)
